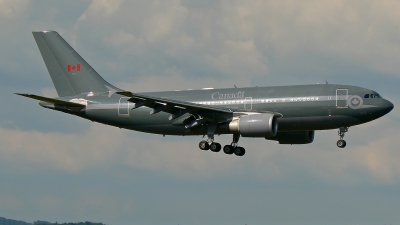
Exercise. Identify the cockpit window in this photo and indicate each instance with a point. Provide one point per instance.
(373, 95)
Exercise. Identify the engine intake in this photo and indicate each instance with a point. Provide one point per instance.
(256, 125)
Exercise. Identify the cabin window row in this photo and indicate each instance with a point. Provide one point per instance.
(221, 102)
(255, 101)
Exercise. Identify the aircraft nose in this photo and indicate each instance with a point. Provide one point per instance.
(387, 106)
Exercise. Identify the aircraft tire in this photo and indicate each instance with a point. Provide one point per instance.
(215, 147)
(203, 145)
(228, 149)
(341, 143)
(239, 151)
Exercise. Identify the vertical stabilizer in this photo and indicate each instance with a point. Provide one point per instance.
(70, 73)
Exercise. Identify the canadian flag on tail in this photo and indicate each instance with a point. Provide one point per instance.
(74, 67)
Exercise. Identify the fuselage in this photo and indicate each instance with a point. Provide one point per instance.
(300, 108)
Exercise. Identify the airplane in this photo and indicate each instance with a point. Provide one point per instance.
(287, 114)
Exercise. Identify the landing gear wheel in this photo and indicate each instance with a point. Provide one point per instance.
(203, 145)
(215, 147)
(228, 149)
(341, 143)
(239, 151)
(342, 131)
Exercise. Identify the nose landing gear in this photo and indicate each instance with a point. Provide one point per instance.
(342, 143)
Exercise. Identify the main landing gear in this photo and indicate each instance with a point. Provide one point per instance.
(213, 146)
(342, 143)
(210, 144)
(233, 148)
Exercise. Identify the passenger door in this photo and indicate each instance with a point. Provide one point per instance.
(123, 106)
(341, 98)
(248, 103)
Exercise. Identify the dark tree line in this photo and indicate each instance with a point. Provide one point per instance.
(4, 221)
(80, 223)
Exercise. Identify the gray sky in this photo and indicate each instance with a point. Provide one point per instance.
(61, 168)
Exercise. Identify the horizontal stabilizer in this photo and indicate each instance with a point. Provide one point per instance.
(52, 100)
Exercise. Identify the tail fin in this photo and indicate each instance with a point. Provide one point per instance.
(70, 73)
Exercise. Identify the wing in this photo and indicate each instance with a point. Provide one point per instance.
(178, 108)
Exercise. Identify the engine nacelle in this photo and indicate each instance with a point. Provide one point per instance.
(256, 125)
(294, 138)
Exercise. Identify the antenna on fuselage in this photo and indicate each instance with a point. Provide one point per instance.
(326, 82)
(234, 86)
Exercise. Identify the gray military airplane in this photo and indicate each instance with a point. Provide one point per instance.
(287, 114)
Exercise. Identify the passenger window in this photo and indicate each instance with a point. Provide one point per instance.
(366, 96)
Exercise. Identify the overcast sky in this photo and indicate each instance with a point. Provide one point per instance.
(57, 167)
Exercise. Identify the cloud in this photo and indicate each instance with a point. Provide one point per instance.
(105, 8)
(174, 79)
(12, 9)
(104, 146)
(166, 21)
(357, 31)
(375, 157)
(238, 58)
(169, 31)
(126, 42)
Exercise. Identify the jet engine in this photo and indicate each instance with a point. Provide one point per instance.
(300, 137)
(255, 125)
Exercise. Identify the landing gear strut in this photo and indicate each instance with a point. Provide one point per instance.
(342, 143)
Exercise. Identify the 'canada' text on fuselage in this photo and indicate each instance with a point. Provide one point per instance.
(217, 95)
